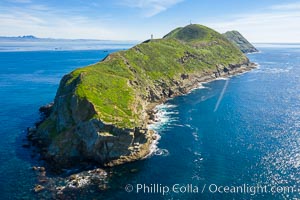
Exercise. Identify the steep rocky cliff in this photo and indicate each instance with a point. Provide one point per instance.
(236, 38)
(101, 111)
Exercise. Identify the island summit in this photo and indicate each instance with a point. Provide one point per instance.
(101, 112)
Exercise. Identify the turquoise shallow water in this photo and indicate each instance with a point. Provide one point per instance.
(251, 137)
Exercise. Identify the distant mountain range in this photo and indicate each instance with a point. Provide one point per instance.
(32, 38)
(19, 38)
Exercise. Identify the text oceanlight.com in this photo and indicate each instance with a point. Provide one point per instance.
(208, 188)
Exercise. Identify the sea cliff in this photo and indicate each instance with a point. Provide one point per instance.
(101, 112)
(240, 41)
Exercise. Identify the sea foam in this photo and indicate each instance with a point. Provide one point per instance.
(162, 117)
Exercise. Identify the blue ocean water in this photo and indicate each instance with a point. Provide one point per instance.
(251, 137)
(27, 81)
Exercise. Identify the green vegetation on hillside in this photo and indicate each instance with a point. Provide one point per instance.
(116, 85)
(101, 112)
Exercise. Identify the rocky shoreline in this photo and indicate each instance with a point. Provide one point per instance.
(86, 175)
(153, 118)
(101, 112)
(197, 80)
(189, 83)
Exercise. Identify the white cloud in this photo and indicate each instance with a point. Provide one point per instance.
(150, 7)
(278, 23)
(33, 20)
(20, 1)
(38, 7)
(290, 6)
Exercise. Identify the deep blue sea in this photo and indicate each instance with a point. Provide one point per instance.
(242, 131)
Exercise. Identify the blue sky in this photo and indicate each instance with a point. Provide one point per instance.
(258, 20)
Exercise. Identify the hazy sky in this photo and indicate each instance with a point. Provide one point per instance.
(258, 20)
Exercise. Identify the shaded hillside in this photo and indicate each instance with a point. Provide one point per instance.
(236, 38)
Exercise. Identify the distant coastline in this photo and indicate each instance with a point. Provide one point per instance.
(34, 38)
(32, 43)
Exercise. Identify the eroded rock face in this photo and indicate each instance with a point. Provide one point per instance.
(78, 137)
(92, 140)
(71, 135)
(76, 128)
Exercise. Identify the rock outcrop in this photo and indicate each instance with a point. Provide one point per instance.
(236, 38)
(101, 112)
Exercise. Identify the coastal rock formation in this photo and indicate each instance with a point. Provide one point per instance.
(101, 112)
(236, 38)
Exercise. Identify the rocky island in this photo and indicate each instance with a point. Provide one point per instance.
(101, 112)
(238, 39)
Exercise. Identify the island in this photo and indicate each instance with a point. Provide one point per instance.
(238, 39)
(18, 38)
(101, 112)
